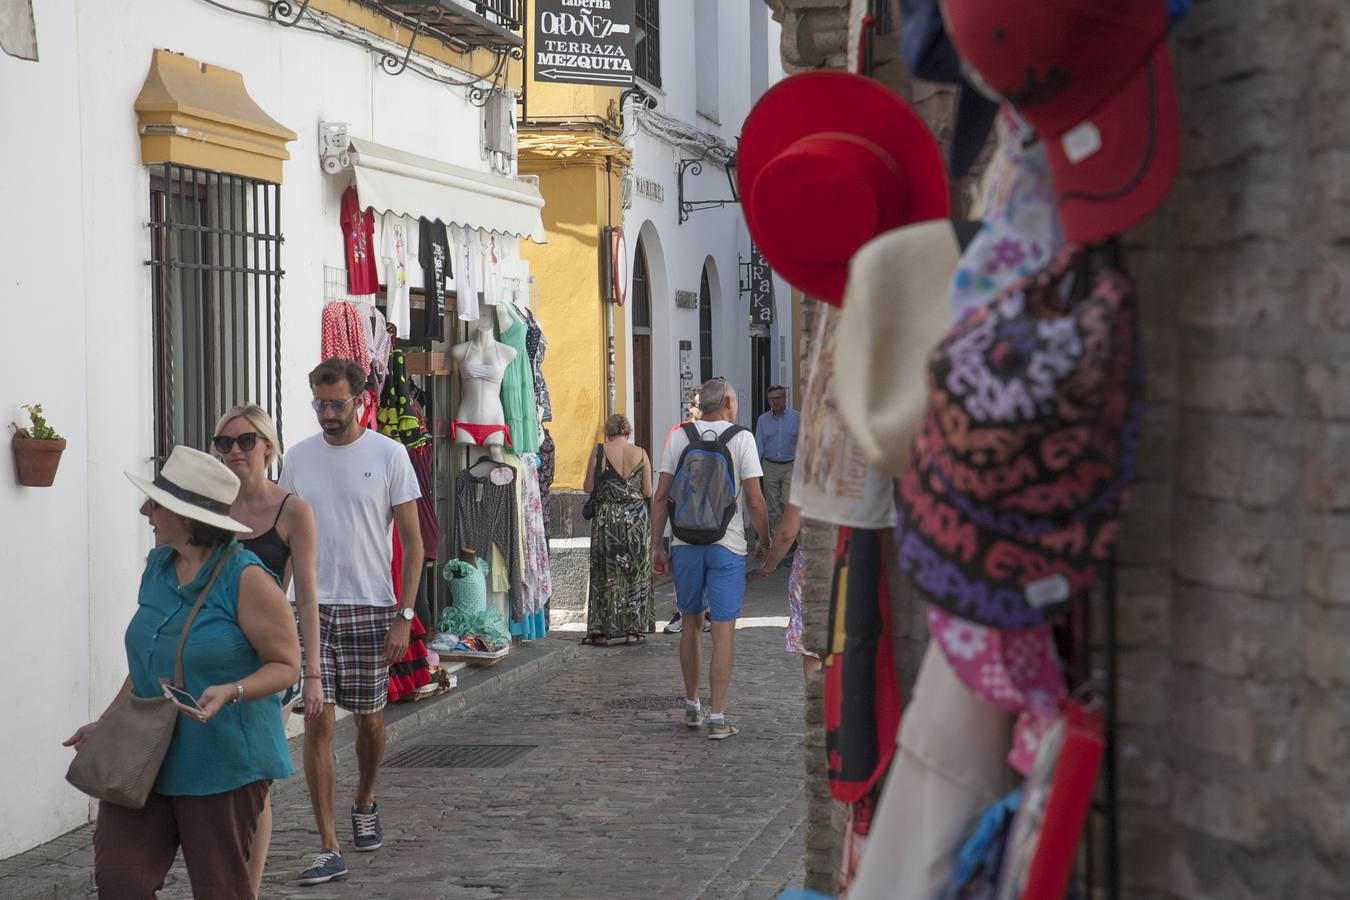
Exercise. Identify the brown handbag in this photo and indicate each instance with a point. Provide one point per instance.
(119, 761)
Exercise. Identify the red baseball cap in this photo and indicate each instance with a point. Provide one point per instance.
(827, 161)
(1094, 79)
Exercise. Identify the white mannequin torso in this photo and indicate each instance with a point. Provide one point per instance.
(482, 364)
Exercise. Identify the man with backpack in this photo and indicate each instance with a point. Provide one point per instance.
(706, 469)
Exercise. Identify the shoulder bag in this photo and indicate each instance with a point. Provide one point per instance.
(588, 508)
(120, 760)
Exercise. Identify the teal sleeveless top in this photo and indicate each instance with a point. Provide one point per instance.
(243, 742)
(518, 402)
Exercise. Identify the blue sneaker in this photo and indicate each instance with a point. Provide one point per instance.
(326, 866)
(366, 831)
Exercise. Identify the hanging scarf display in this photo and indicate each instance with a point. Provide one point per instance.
(862, 693)
(342, 336)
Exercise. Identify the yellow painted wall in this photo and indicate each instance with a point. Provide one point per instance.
(581, 193)
(571, 312)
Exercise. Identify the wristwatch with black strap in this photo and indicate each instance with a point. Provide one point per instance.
(406, 614)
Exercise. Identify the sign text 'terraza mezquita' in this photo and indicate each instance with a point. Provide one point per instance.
(584, 41)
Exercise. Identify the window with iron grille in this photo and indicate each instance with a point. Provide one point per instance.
(705, 328)
(215, 258)
(647, 51)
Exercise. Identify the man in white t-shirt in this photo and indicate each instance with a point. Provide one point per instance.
(710, 578)
(358, 482)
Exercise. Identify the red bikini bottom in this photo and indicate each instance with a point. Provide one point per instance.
(479, 433)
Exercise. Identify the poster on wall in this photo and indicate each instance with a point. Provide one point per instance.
(761, 290)
(584, 41)
(686, 379)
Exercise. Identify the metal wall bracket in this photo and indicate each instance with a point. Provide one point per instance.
(281, 12)
(391, 64)
(695, 166)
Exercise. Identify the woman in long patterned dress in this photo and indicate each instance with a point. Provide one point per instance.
(619, 475)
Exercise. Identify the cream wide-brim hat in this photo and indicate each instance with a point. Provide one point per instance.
(895, 312)
(195, 485)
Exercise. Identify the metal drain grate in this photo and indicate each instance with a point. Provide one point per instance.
(458, 756)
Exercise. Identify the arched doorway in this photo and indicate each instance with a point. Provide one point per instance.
(640, 306)
(705, 326)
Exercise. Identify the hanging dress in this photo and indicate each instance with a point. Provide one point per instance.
(620, 600)
(537, 344)
(518, 390)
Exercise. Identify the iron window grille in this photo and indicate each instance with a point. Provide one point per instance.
(705, 327)
(647, 50)
(215, 261)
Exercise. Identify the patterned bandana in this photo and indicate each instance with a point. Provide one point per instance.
(1008, 508)
(1016, 671)
(1021, 228)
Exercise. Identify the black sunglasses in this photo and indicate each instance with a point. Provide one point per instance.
(224, 443)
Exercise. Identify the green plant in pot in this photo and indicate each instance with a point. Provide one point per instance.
(37, 448)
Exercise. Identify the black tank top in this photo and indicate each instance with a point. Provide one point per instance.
(269, 547)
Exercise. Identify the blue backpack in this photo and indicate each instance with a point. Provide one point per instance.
(703, 491)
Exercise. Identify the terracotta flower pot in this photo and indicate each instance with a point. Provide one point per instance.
(36, 461)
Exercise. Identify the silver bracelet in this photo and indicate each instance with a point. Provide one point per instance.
(238, 692)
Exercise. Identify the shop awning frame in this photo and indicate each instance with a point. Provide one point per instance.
(390, 180)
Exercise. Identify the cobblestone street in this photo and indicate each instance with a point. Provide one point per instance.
(615, 799)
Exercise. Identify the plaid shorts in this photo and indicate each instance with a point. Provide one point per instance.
(351, 656)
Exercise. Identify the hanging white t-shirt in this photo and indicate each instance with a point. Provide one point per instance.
(744, 456)
(492, 270)
(397, 250)
(353, 490)
(466, 275)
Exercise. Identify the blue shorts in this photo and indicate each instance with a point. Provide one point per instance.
(708, 577)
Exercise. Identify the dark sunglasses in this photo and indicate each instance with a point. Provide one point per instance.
(224, 443)
(334, 405)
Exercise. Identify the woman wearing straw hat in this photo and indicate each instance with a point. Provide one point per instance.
(240, 652)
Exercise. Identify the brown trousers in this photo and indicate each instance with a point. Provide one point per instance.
(134, 848)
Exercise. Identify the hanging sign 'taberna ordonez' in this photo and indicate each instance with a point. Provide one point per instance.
(584, 41)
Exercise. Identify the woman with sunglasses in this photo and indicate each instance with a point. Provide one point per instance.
(283, 535)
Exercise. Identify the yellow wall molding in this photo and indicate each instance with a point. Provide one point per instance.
(475, 62)
(195, 114)
(579, 145)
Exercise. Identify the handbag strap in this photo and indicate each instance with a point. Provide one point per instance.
(196, 608)
(599, 467)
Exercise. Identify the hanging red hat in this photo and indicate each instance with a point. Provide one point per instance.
(828, 161)
(1095, 80)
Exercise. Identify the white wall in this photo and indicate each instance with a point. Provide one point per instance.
(745, 41)
(77, 292)
(44, 532)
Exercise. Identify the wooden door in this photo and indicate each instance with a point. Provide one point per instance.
(642, 391)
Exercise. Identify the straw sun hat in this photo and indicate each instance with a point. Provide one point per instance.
(195, 485)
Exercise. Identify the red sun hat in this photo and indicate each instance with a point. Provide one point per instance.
(1095, 80)
(828, 161)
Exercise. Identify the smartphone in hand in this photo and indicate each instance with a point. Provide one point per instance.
(183, 700)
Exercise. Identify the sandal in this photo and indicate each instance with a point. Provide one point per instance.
(596, 640)
(633, 639)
